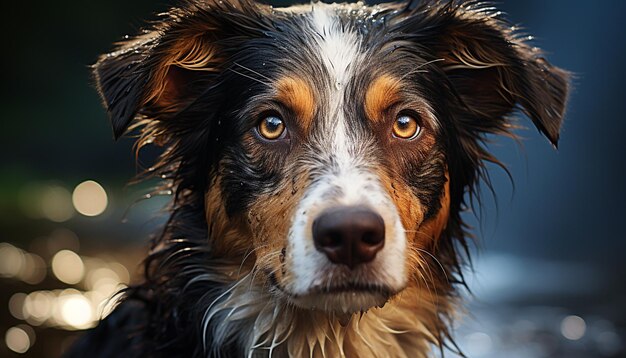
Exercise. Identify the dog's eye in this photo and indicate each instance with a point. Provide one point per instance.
(271, 127)
(406, 127)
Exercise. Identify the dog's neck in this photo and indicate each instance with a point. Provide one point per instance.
(261, 324)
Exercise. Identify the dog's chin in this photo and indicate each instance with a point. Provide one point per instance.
(347, 300)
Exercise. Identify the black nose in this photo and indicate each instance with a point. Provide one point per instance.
(349, 235)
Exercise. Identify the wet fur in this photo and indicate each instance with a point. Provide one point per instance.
(185, 84)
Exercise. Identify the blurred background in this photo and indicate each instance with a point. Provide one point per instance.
(548, 280)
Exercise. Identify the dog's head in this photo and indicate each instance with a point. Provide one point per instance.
(329, 147)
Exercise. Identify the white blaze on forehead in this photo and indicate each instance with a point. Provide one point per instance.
(339, 46)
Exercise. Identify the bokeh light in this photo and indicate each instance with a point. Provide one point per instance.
(68, 267)
(16, 304)
(90, 198)
(70, 308)
(34, 269)
(56, 204)
(573, 327)
(76, 310)
(38, 307)
(18, 339)
(478, 344)
(11, 260)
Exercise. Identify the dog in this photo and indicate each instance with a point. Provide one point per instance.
(319, 158)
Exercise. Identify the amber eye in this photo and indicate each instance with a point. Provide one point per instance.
(271, 127)
(405, 127)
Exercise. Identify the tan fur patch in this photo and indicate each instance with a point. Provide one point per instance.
(269, 219)
(420, 235)
(382, 93)
(193, 53)
(408, 205)
(435, 226)
(230, 238)
(296, 94)
(429, 278)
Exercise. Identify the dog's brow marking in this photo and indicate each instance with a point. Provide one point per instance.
(298, 96)
(383, 92)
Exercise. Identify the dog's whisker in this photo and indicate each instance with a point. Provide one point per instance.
(253, 71)
(443, 270)
(250, 252)
(250, 77)
(417, 69)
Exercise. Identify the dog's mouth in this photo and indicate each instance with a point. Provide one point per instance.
(352, 288)
(351, 297)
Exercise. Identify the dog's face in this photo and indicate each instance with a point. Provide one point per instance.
(336, 165)
(347, 167)
(333, 143)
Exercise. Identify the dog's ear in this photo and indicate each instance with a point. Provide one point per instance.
(489, 66)
(161, 71)
(121, 79)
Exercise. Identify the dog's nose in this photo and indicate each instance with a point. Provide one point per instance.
(349, 235)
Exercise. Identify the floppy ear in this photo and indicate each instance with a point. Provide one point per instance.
(160, 72)
(121, 79)
(490, 67)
